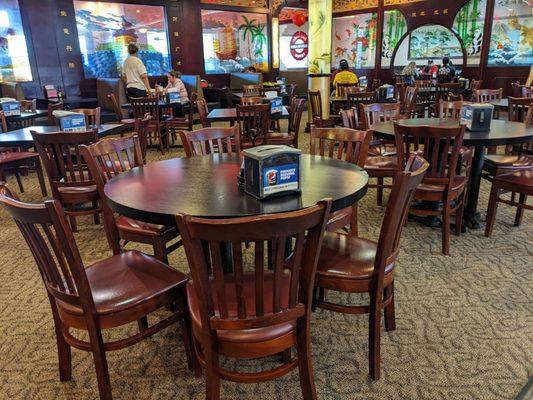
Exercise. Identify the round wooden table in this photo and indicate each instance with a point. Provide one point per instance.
(501, 133)
(207, 187)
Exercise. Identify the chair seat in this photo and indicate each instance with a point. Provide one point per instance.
(382, 163)
(143, 228)
(7, 157)
(124, 282)
(77, 189)
(280, 138)
(496, 160)
(434, 192)
(128, 121)
(348, 257)
(521, 181)
(248, 335)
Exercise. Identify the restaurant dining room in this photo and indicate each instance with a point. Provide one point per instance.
(266, 199)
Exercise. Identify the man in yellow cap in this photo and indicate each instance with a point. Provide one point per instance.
(344, 75)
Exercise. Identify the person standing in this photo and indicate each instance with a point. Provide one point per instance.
(134, 74)
(344, 75)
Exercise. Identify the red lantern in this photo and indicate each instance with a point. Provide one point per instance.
(298, 18)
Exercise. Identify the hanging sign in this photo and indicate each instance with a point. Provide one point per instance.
(299, 45)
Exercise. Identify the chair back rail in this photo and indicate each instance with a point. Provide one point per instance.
(251, 100)
(253, 122)
(345, 144)
(203, 112)
(409, 100)
(450, 109)
(378, 112)
(211, 141)
(487, 95)
(518, 108)
(251, 90)
(28, 105)
(92, 115)
(315, 103)
(145, 105)
(350, 118)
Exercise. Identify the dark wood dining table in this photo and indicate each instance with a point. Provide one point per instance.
(22, 137)
(207, 187)
(502, 104)
(501, 133)
(26, 115)
(230, 115)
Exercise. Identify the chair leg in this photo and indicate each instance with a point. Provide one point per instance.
(73, 224)
(40, 176)
(19, 182)
(286, 355)
(491, 210)
(380, 191)
(354, 225)
(446, 230)
(520, 210)
(63, 348)
(160, 251)
(305, 363)
(212, 375)
(100, 364)
(96, 215)
(459, 217)
(390, 315)
(196, 366)
(143, 324)
(374, 342)
(186, 331)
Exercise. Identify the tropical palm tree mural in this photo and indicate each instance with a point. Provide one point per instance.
(248, 31)
(259, 39)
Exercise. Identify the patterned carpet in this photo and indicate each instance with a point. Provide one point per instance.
(464, 324)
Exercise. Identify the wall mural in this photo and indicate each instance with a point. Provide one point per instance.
(511, 42)
(106, 29)
(354, 38)
(14, 61)
(234, 41)
(434, 42)
(394, 27)
(469, 24)
(238, 3)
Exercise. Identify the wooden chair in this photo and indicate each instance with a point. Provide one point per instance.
(72, 184)
(375, 84)
(351, 264)
(203, 112)
(317, 117)
(28, 105)
(150, 105)
(345, 144)
(92, 115)
(343, 88)
(257, 312)
(251, 90)
(441, 183)
(350, 118)
(475, 85)
(109, 158)
(450, 109)
(487, 95)
(142, 128)
(129, 123)
(13, 160)
(226, 98)
(87, 298)
(291, 91)
(424, 84)
(253, 122)
(211, 141)
(175, 124)
(409, 101)
(251, 100)
(453, 97)
(354, 99)
(290, 138)
(515, 180)
(51, 108)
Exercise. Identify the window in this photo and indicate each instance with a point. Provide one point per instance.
(106, 29)
(234, 41)
(14, 60)
(469, 24)
(354, 39)
(293, 43)
(511, 42)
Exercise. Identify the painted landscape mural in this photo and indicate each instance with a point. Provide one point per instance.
(394, 27)
(14, 61)
(435, 42)
(234, 41)
(512, 33)
(106, 29)
(469, 24)
(354, 39)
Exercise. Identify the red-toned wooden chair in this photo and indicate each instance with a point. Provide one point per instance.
(253, 122)
(28, 105)
(51, 108)
(251, 90)
(72, 184)
(348, 145)
(349, 118)
(317, 116)
(150, 105)
(129, 123)
(251, 100)
(449, 109)
(352, 264)
(253, 312)
(92, 115)
(441, 147)
(384, 164)
(290, 138)
(175, 124)
(408, 104)
(107, 159)
(203, 112)
(107, 294)
(206, 141)
(13, 160)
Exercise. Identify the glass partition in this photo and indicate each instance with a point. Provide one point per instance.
(14, 60)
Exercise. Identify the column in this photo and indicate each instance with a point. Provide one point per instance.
(319, 69)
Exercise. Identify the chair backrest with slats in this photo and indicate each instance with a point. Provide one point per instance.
(250, 101)
(145, 105)
(345, 144)
(211, 141)
(296, 110)
(378, 112)
(518, 108)
(28, 105)
(52, 244)
(251, 90)
(253, 122)
(315, 103)
(280, 295)
(354, 99)
(440, 146)
(343, 88)
(60, 154)
(92, 115)
(409, 100)
(375, 84)
(487, 95)
(51, 108)
(291, 91)
(475, 84)
(450, 109)
(350, 118)
(203, 112)
(424, 84)
(116, 106)
(226, 98)
(3, 122)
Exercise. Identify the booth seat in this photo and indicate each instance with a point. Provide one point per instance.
(238, 79)
(105, 86)
(299, 78)
(13, 90)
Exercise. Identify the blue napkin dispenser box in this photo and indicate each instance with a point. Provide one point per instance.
(173, 97)
(72, 123)
(11, 108)
(276, 105)
(477, 117)
(271, 171)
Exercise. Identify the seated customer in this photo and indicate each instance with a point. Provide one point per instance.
(446, 72)
(410, 72)
(176, 84)
(344, 75)
(431, 68)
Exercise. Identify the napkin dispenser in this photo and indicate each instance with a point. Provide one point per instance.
(70, 121)
(477, 117)
(10, 107)
(271, 171)
(276, 105)
(173, 97)
(386, 91)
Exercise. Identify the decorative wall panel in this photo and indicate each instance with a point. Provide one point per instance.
(238, 3)
(354, 39)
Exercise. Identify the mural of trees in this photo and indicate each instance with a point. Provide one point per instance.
(469, 24)
(394, 27)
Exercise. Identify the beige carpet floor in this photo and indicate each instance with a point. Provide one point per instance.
(464, 324)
